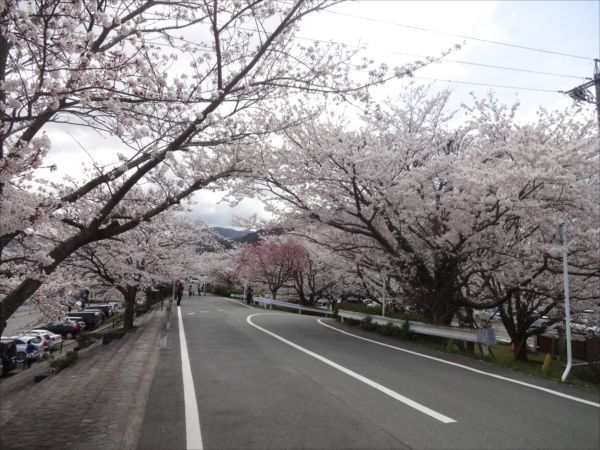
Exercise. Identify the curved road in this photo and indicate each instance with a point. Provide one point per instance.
(263, 379)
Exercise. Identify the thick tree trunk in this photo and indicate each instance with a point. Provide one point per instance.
(302, 297)
(437, 290)
(129, 294)
(520, 349)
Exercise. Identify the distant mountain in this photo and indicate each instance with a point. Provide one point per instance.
(230, 236)
(230, 233)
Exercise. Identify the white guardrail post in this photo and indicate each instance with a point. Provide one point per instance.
(483, 336)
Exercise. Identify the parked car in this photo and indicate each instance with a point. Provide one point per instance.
(92, 319)
(77, 322)
(103, 314)
(323, 303)
(106, 309)
(355, 301)
(55, 339)
(8, 356)
(44, 336)
(21, 345)
(67, 331)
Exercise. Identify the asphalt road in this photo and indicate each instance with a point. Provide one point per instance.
(275, 380)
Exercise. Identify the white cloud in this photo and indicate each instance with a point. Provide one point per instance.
(209, 207)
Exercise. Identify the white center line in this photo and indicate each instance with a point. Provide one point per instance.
(499, 377)
(425, 410)
(192, 419)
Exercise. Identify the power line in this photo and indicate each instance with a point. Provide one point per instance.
(462, 36)
(444, 59)
(488, 85)
(517, 69)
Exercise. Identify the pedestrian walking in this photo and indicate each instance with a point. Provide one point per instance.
(249, 293)
(29, 353)
(190, 291)
(178, 292)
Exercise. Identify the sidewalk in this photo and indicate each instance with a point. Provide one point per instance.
(98, 403)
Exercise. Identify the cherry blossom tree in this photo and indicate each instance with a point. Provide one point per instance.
(275, 263)
(185, 87)
(449, 208)
(150, 254)
(220, 267)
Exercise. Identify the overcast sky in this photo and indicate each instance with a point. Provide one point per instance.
(565, 33)
(552, 27)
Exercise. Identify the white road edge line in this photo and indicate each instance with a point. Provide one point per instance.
(193, 434)
(430, 412)
(499, 377)
(238, 303)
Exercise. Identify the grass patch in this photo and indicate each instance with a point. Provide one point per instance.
(586, 376)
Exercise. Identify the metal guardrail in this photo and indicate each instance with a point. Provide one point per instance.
(268, 303)
(484, 336)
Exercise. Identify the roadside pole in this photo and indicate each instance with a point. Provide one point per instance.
(562, 235)
(384, 278)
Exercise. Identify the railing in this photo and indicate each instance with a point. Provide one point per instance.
(268, 303)
(484, 336)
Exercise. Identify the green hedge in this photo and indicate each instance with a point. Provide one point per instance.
(63, 363)
(224, 291)
(86, 339)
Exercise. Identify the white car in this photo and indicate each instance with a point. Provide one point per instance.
(55, 339)
(21, 343)
(323, 303)
(44, 336)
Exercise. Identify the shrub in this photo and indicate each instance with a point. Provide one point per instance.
(389, 329)
(62, 363)
(141, 308)
(368, 325)
(224, 291)
(86, 339)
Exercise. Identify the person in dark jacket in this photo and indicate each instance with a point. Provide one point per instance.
(178, 292)
(249, 293)
(29, 353)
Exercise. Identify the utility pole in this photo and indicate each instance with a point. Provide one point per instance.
(581, 94)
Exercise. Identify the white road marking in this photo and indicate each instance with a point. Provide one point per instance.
(191, 314)
(192, 419)
(238, 303)
(499, 377)
(430, 412)
(205, 310)
(221, 310)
